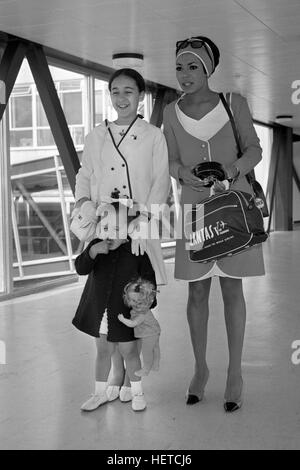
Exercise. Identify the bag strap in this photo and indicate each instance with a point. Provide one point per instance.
(250, 176)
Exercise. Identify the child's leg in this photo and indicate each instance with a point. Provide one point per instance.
(105, 350)
(118, 369)
(148, 345)
(126, 382)
(119, 383)
(129, 351)
(130, 354)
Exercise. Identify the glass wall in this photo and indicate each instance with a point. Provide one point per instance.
(2, 270)
(41, 199)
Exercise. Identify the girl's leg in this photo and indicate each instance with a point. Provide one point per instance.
(131, 357)
(129, 351)
(235, 318)
(105, 350)
(119, 383)
(118, 369)
(197, 314)
(148, 345)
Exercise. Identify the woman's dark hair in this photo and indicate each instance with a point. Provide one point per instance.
(131, 73)
(214, 48)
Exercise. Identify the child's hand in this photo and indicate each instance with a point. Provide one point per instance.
(99, 248)
(115, 243)
(121, 317)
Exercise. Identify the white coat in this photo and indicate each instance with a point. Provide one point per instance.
(144, 158)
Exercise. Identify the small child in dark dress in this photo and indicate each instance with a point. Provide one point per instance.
(110, 265)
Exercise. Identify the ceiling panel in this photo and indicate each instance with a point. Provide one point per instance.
(259, 39)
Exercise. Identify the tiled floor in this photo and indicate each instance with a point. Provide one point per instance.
(49, 371)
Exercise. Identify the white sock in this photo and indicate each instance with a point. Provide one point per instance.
(100, 387)
(136, 387)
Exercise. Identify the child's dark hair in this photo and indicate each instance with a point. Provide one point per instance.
(131, 73)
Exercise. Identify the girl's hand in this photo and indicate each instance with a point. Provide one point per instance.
(99, 248)
(187, 177)
(121, 317)
(88, 211)
(114, 243)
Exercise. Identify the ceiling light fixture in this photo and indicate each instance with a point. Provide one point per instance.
(131, 60)
(282, 118)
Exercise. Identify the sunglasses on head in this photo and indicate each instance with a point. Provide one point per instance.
(195, 44)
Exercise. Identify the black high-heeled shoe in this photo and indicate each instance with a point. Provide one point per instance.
(231, 406)
(192, 398)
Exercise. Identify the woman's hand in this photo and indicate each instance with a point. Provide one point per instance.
(220, 186)
(232, 173)
(186, 176)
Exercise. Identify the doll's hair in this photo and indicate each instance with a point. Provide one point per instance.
(145, 288)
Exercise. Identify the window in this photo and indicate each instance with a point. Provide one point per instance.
(20, 117)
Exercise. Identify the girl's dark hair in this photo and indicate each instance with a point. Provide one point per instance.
(131, 73)
(214, 48)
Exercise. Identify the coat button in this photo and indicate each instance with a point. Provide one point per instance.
(204, 158)
(112, 168)
(123, 164)
(203, 145)
(124, 187)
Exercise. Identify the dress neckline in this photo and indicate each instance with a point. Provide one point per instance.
(214, 109)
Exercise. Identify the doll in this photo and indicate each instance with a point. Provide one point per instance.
(140, 294)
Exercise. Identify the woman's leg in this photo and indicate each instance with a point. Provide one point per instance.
(197, 314)
(235, 318)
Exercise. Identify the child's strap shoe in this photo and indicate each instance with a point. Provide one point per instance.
(138, 402)
(112, 392)
(94, 402)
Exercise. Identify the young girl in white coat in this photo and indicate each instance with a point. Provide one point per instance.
(129, 156)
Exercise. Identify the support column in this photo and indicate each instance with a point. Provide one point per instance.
(54, 112)
(283, 217)
(10, 65)
(164, 96)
